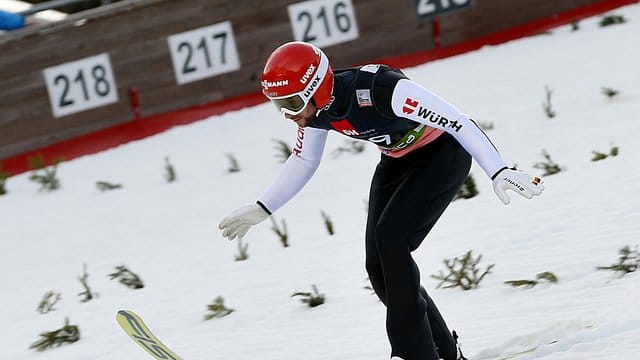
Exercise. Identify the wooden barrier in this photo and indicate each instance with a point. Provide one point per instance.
(130, 60)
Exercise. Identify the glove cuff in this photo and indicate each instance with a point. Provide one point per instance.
(498, 172)
(264, 207)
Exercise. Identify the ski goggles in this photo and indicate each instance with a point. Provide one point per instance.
(294, 104)
(290, 104)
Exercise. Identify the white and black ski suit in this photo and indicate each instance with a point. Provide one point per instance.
(426, 146)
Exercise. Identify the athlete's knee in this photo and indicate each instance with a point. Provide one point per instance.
(390, 237)
(374, 269)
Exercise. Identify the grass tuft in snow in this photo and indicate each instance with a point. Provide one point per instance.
(49, 300)
(44, 174)
(612, 19)
(243, 253)
(597, 156)
(106, 186)
(66, 334)
(467, 190)
(3, 180)
(217, 309)
(628, 262)
(546, 105)
(609, 92)
(169, 171)
(233, 164)
(463, 273)
(549, 166)
(547, 275)
(127, 277)
(84, 280)
(327, 223)
(282, 233)
(283, 150)
(312, 299)
(350, 147)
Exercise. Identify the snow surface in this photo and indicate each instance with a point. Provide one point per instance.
(167, 232)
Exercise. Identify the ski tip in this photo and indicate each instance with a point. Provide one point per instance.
(137, 330)
(123, 313)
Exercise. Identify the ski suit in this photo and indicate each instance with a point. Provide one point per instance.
(426, 146)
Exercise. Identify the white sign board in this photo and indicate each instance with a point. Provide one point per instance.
(204, 52)
(81, 85)
(436, 7)
(323, 22)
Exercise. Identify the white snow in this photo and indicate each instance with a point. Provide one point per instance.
(167, 232)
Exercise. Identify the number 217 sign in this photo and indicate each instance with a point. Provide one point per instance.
(204, 52)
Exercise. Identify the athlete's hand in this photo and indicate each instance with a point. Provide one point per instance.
(238, 222)
(518, 181)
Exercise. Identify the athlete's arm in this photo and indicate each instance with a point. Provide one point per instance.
(294, 174)
(412, 101)
(297, 170)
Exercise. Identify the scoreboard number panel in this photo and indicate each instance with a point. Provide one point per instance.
(429, 8)
(204, 52)
(81, 85)
(323, 22)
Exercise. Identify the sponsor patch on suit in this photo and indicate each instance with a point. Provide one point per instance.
(364, 97)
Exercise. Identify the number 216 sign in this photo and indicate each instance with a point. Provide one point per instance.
(323, 22)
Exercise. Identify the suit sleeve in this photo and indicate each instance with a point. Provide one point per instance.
(297, 170)
(412, 101)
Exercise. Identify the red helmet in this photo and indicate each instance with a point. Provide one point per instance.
(295, 73)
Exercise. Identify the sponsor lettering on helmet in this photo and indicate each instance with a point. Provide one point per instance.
(311, 88)
(270, 84)
(308, 74)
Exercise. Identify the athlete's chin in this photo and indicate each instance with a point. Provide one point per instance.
(301, 123)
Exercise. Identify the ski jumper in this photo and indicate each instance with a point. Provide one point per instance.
(426, 147)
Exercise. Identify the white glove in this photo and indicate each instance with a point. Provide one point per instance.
(238, 222)
(518, 181)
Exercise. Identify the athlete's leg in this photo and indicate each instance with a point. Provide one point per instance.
(384, 183)
(442, 337)
(416, 204)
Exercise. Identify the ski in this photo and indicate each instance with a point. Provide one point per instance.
(137, 330)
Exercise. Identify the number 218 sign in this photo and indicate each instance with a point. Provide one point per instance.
(80, 85)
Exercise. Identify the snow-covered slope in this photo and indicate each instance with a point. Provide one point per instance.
(167, 232)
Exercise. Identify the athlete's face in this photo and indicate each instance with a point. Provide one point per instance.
(304, 118)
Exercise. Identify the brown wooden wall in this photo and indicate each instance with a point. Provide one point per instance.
(134, 34)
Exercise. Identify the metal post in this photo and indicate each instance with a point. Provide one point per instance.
(49, 5)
